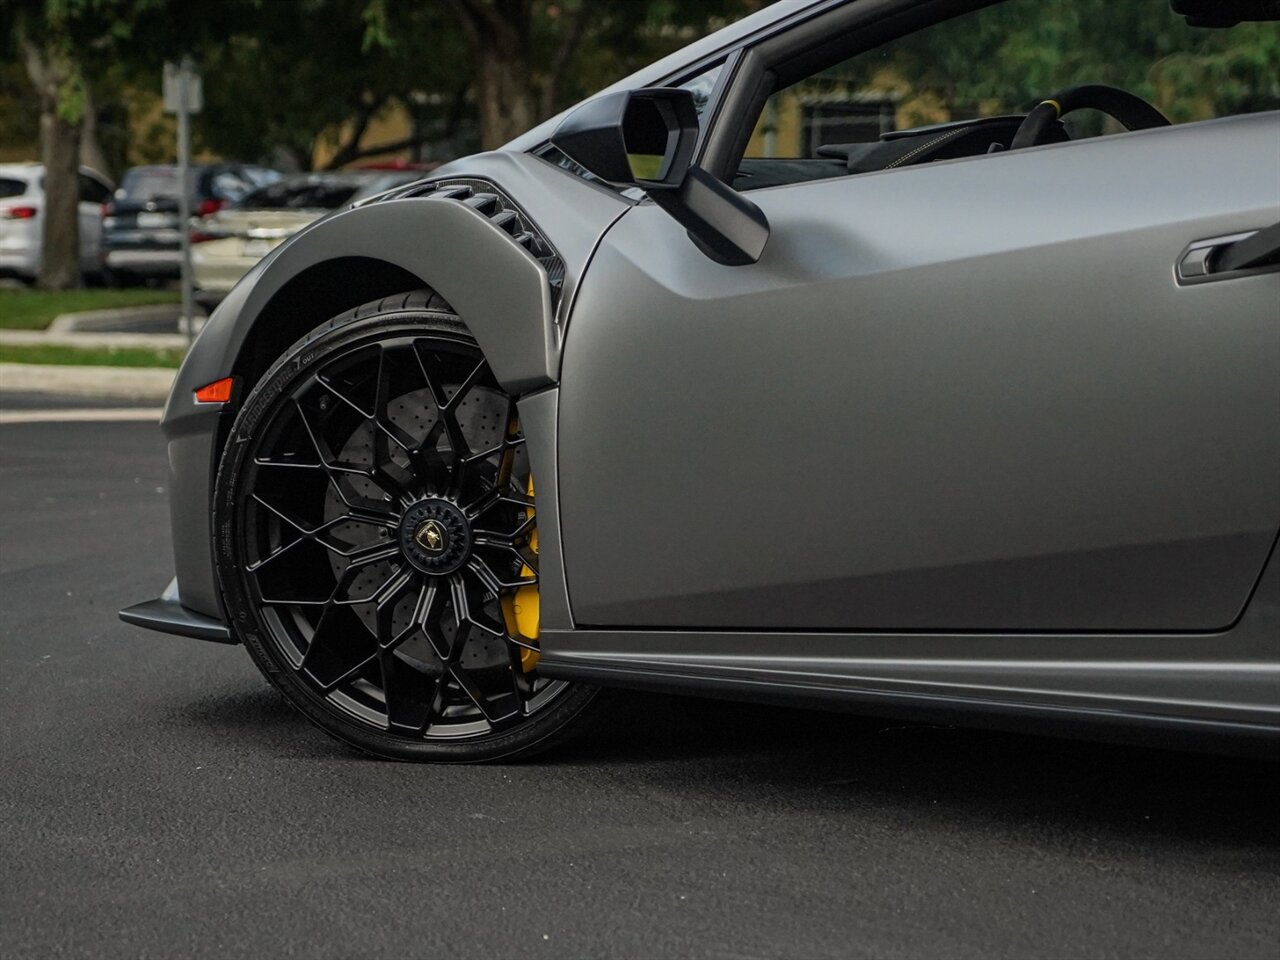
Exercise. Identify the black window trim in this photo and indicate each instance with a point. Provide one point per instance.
(783, 57)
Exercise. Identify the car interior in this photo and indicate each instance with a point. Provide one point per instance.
(954, 80)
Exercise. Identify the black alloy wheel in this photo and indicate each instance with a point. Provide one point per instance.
(376, 534)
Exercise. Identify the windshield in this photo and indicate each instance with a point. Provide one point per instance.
(148, 183)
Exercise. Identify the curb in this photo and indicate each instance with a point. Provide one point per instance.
(121, 383)
(146, 341)
(98, 329)
(100, 321)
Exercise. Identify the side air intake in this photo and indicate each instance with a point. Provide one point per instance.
(485, 198)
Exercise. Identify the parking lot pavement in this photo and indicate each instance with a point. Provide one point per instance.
(24, 401)
(158, 799)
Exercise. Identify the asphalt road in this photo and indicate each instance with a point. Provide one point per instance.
(157, 799)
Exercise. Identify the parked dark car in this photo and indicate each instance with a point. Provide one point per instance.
(141, 235)
(841, 388)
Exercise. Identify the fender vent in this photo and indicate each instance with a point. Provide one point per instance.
(485, 197)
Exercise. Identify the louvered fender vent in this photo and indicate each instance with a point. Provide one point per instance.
(501, 210)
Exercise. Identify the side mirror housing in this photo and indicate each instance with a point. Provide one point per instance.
(645, 138)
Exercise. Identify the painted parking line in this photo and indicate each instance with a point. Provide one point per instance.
(81, 415)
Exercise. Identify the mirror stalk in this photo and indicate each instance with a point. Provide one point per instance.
(726, 226)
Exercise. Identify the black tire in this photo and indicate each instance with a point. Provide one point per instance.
(295, 505)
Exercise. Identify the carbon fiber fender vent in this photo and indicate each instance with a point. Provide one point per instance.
(486, 198)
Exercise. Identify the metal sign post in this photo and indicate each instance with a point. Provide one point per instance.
(184, 95)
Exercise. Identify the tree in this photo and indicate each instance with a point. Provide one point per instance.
(63, 43)
(525, 51)
(1007, 57)
(501, 35)
(322, 68)
(49, 47)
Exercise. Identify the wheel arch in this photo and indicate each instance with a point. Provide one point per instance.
(330, 286)
(381, 250)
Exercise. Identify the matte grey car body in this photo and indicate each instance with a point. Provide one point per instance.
(956, 446)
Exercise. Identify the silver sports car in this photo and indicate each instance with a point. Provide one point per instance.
(851, 357)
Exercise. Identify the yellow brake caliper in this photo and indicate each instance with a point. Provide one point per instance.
(520, 609)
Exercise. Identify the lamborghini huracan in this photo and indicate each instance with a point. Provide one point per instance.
(913, 358)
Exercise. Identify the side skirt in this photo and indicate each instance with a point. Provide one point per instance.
(1017, 697)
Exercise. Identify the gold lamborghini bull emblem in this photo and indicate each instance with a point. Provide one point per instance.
(430, 536)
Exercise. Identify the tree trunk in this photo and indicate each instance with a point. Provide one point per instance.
(60, 153)
(304, 156)
(57, 80)
(349, 149)
(574, 30)
(499, 34)
(506, 101)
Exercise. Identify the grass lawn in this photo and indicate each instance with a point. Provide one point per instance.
(35, 309)
(90, 356)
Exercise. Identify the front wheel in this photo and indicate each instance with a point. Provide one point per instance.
(376, 541)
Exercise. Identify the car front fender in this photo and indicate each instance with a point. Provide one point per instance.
(495, 285)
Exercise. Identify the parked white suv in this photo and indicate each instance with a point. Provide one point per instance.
(22, 217)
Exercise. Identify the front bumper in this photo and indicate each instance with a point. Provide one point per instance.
(167, 615)
(23, 263)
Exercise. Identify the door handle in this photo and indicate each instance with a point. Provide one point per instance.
(1223, 258)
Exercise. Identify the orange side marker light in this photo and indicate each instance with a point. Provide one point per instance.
(217, 392)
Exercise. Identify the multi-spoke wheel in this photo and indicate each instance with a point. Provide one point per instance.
(377, 540)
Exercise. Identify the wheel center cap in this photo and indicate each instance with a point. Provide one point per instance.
(435, 536)
(432, 537)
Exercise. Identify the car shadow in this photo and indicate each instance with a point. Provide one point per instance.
(832, 762)
(835, 760)
(258, 714)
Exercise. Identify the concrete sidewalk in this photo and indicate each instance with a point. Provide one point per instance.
(97, 329)
(93, 341)
(112, 383)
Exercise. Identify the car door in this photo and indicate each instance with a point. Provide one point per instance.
(965, 395)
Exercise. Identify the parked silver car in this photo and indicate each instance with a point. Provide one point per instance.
(228, 242)
(22, 217)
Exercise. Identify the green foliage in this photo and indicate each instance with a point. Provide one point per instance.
(91, 356)
(294, 71)
(281, 75)
(1011, 55)
(19, 115)
(377, 28)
